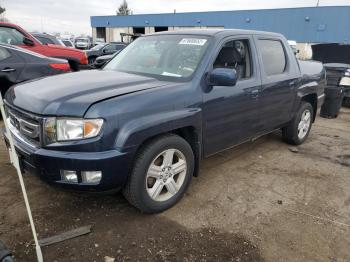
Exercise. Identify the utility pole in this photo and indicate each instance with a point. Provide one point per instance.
(318, 3)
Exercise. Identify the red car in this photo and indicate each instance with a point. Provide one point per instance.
(15, 35)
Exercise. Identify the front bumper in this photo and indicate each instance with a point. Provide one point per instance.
(48, 165)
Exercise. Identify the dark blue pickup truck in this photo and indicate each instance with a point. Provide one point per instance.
(143, 123)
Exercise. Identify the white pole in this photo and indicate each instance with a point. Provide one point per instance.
(15, 162)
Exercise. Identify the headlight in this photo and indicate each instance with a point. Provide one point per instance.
(345, 81)
(347, 72)
(65, 129)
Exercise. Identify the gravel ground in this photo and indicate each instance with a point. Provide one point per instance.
(262, 201)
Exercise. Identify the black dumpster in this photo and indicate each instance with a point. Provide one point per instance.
(333, 101)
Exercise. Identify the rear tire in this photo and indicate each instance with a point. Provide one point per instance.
(91, 60)
(161, 174)
(299, 128)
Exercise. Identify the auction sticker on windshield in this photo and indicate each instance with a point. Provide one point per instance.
(192, 41)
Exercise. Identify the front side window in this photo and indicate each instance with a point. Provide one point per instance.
(162, 56)
(235, 55)
(4, 54)
(273, 57)
(44, 40)
(11, 36)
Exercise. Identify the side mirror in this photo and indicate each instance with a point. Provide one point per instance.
(27, 41)
(222, 77)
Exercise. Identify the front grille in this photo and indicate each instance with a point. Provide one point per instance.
(27, 125)
(333, 77)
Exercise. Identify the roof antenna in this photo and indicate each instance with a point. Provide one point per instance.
(174, 11)
(318, 3)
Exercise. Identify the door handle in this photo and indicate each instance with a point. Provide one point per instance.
(7, 70)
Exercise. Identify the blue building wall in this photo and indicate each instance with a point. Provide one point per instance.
(309, 25)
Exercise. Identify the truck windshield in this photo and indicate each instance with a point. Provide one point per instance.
(171, 57)
(84, 40)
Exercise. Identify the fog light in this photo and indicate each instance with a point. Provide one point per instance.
(69, 176)
(92, 177)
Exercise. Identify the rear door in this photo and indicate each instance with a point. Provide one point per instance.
(280, 75)
(11, 66)
(230, 112)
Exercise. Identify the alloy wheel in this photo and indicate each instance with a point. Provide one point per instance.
(304, 124)
(166, 175)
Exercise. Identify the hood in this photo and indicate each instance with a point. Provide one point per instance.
(72, 94)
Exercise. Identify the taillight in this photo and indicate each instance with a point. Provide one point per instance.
(85, 60)
(63, 67)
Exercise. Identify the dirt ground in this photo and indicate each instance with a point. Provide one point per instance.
(257, 202)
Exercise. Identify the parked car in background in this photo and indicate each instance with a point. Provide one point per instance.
(68, 43)
(15, 35)
(144, 122)
(83, 43)
(104, 49)
(47, 39)
(102, 60)
(18, 65)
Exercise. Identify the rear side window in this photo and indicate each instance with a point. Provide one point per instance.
(273, 56)
(4, 54)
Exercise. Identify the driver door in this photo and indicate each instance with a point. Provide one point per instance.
(231, 112)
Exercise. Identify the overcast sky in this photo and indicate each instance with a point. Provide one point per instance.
(74, 15)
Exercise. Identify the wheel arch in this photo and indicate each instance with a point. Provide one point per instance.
(184, 123)
(312, 99)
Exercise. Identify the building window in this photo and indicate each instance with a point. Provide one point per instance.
(160, 28)
(139, 30)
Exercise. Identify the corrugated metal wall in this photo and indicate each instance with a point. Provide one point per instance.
(309, 25)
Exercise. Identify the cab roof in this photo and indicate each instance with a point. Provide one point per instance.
(217, 32)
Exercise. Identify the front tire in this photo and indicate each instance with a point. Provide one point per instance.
(161, 174)
(299, 128)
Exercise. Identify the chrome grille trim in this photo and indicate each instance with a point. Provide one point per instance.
(24, 126)
(16, 134)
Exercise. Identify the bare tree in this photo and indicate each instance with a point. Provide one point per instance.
(2, 14)
(2, 10)
(123, 9)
